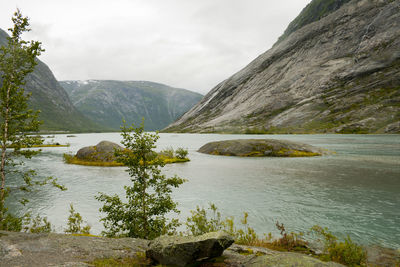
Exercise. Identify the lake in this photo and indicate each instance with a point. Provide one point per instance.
(355, 191)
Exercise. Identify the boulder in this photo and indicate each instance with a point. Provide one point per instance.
(260, 148)
(103, 151)
(183, 250)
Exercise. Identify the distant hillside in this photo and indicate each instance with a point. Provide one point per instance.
(50, 98)
(336, 69)
(108, 102)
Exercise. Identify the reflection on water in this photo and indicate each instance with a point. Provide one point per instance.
(355, 191)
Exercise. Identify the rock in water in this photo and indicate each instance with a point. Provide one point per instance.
(182, 250)
(260, 148)
(103, 151)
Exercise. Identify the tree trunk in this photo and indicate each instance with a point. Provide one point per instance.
(4, 155)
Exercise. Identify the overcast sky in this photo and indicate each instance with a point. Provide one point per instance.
(192, 44)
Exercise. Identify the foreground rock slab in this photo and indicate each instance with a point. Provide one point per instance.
(23, 249)
(248, 256)
(183, 250)
(260, 148)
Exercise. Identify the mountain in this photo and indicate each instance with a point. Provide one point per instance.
(335, 69)
(108, 102)
(57, 111)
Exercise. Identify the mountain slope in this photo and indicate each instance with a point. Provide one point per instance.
(338, 73)
(57, 111)
(108, 102)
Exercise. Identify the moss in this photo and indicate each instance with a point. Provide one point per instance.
(295, 153)
(85, 235)
(44, 145)
(139, 260)
(70, 159)
(246, 252)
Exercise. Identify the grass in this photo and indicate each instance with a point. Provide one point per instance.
(139, 260)
(43, 145)
(70, 159)
(51, 145)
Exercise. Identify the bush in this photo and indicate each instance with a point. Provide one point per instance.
(347, 252)
(37, 224)
(167, 152)
(181, 153)
(74, 223)
(200, 222)
(204, 221)
(289, 241)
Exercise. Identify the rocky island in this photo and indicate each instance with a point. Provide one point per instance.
(102, 155)
(260, 148)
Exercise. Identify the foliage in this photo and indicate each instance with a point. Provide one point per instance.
(37, 224)
(208, 220)
(139, 260)
(201, 222)
(181, 153)
(289, 241)
(17, 60)
(75, 223)
(167, 152)
(148, 198)
(347, 252)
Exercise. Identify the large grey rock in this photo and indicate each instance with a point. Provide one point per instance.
(182, 250)
(260, 148)
(37, 250)
(103, 151)
(343, 69)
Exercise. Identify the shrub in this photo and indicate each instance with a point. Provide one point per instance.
(203, 221)
(37, 224)
(167, 152)
(347, 252)
(289, 241)
(181, 153)
(75, 223)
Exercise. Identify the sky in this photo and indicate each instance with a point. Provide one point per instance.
(191, 44)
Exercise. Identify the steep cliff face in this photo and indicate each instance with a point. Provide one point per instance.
(108, 102)
(57, 111)
(340, 73)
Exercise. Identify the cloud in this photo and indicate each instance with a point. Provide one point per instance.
(183, 43)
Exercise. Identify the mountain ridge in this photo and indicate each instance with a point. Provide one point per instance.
(108, 102)
(337, 74)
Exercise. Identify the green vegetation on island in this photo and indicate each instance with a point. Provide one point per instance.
(260, 148)
(103, 155)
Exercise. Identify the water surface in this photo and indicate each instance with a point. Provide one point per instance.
(355, 191)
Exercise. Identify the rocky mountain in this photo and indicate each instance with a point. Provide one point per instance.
(108, 102)
(57, 111)
(336, 69)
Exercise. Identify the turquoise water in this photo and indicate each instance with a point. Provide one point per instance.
(355, 191)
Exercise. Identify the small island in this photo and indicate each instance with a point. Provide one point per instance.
(260, 148)
(102, 155)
